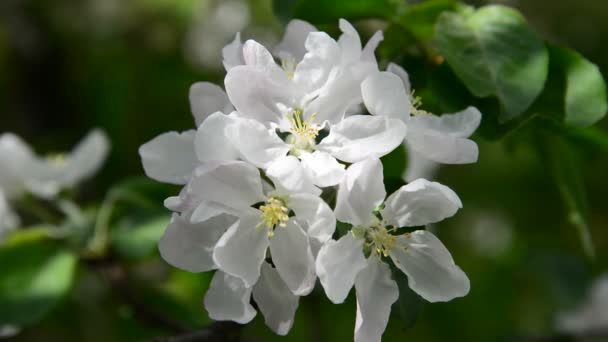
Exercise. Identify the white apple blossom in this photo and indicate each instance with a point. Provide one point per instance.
(22, 171)
(310, 92)
(431, 139)
(279, 221)
(357, 258)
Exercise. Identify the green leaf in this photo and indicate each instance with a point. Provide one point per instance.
(36, 275)
(409, 305)
(323, 11)
(495, 53)
(420, 19)
(137, 238)
(564, 164)
(575, 93)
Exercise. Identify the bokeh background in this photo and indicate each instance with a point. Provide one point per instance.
(125, 66)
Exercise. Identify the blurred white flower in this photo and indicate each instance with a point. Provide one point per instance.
(420, 255)
(590, 315)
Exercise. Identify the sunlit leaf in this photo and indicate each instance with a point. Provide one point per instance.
(420, 19)
(495, 53)
(36, 275)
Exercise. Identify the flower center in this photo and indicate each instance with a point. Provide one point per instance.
(303, 132)
(416, 103)
(274, 212)
(57, 159)
(378, 237)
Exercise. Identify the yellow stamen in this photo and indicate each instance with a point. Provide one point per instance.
(303, 128)
(382, 241)
(57, 159)
(274, 212)
(289, 66)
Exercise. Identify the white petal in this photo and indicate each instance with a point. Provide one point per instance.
(211, 141)
(256, 143)
(338, 264)
(319, 219)
(429, 267)
(384, 94)
(403, 75)
(190, 246)
(207, 98)
(292, 44)
(325, 169)
(368, 51)
(359, 137)
(443, 138)
(234, 184)
(349, 41)
(288, 175)
(360, 192)
(292, 256)
(376, 292)
(227, 299)
(242, 249)
(233, 53)
(169, 157)
(256, 55)
(207, 210)
(15, 158)
(323, 54)
(257, 94)
(87, 157)
(419, 167)
(419, 203)
(275, 300)
(8, 219)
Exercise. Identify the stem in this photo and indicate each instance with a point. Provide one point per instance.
(38, 210)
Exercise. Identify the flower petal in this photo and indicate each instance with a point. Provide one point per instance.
(292, 256)
(419, 167)
(319, 219)
(419, 203)
(256, 55)
(349, 42)
(234, 184)
(275, 300)
(211, 141)
(207, 98)
(242, 249)
(256, 143)
(429, 267)
(87, 157)
(403, 75)
(383, 94)
(325, 169)
(359, 137)
(190, 246)
(169, 157)
(370, 47)
(360, 192)
(292, 44)
(288, 175)
(443, 138)
(323, 54)
(257, 94)
(338, 264)
(233, 53)
(15, 158)
(227, 299)
(376, 292)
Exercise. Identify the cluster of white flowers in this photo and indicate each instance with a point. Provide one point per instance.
(22, 171)
(270, 152)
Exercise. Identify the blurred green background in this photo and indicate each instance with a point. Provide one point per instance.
(125, 66)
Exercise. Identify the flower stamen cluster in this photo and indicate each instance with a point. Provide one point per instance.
(274, 212)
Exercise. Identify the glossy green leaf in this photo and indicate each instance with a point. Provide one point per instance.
(495, 53)
(36, 275)
(137, 238)
(322, 11)
(576, 92)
